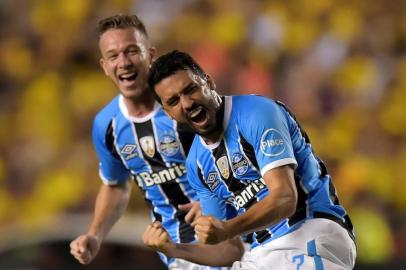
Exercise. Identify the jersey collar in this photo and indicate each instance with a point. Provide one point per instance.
(124, 111)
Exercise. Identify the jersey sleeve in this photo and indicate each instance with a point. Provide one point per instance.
(267, 129)
(209, 202)
(111, 169)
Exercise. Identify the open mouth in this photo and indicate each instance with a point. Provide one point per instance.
(198, 115)
(128, 77)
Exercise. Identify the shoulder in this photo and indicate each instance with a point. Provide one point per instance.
(252, 109)
(105, 115)
(252, 103)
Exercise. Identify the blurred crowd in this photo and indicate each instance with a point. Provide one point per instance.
(340, 65)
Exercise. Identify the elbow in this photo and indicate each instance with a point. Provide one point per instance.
(238, 250)
(290, 205)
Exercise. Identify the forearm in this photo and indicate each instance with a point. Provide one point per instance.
(261, 215)
(222, 254)
(111, 203)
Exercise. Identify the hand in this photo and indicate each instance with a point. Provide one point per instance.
(156, 237)
(210, 230)
(85, 248)
(193, 211)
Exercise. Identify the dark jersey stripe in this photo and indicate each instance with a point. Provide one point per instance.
(110, 141)
(234, 185)
(148, 201)
(186, 137)
(323, 172)
(300, 212)
(201, 178)
(171, 189)
(302, 131)
(248, 151)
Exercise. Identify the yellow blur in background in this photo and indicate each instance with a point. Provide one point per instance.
(339, 65)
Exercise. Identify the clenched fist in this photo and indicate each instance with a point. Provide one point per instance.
(85, 248)
(210, 230)
(156, 237)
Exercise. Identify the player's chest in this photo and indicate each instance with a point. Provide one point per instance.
(228, 164)
(142, 145)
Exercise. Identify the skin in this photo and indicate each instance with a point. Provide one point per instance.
(193, 211)
(124, 52)
(184, 93)
(127, 53)
(222, 254)
(111, 202)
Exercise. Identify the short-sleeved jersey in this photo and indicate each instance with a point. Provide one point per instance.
(260, 134)
(151, 150)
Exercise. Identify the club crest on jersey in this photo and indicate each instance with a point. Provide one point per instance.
(222, 165)
(168, 145)
(272, 143)
(239, 163)
(212, 180)
(129, 151)
(148, 145)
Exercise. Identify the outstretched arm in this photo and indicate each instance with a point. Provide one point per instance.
(110, 204)
(221, 254)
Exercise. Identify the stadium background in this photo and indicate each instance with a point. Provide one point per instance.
(340, 66)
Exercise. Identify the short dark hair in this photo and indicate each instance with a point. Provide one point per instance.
(121, 21)
(168, 64)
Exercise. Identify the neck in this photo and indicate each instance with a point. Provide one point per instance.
(217, 132)
(214, 136)
(140, 106)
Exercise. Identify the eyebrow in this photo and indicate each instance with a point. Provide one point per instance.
(130, 46)
(189, 86)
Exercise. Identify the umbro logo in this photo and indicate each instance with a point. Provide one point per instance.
(129, 151)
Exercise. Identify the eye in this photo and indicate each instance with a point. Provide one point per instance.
(112, 57)
(172, 101)
(190, 89)
(133, 51)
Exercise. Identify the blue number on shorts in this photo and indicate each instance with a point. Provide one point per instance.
(311, 250)
(299, 258)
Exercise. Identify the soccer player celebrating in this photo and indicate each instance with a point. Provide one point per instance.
(252, 155)
(135, 140)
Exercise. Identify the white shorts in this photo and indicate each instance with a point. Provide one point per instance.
(179, 264)
(319, 244)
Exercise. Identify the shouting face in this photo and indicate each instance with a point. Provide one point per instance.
(192, 100)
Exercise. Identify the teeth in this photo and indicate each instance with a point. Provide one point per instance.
(126, 76)
(195, 112)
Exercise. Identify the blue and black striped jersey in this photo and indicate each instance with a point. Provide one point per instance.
(152, 151)
(260, 134)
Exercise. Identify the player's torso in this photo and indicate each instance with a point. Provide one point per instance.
(229, 169)
(154, 150)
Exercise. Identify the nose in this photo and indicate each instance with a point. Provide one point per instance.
(123, 60)
(186, 102)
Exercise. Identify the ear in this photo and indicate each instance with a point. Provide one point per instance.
(103, 65)
(152, 53)
(210, 82)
